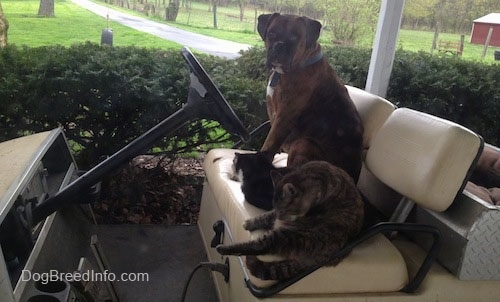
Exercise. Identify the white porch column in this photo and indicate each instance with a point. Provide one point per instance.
(384, 46)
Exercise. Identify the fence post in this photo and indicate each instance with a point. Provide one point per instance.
(462, 42)
(487, 43)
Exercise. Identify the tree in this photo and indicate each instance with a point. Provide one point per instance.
(46, 8)
(350, 20)
(293, 6)
(416, 11)
(454, 16)
(172, 10)
(4, 27)
(241, 5)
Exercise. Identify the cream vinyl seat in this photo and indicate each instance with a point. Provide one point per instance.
(410, 152)
(373, 111)
(371, 258)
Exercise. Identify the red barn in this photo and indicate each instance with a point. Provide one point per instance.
(482, 25)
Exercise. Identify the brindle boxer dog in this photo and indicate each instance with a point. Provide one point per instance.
(312, 116)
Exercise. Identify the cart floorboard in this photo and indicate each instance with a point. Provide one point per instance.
(166, 253)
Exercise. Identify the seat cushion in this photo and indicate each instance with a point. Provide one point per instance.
(356, 273)
(423, 157)
(373, 111)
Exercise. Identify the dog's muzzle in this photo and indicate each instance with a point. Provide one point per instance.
(278, 46)
(279, 56)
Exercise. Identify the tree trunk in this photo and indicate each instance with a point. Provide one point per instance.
(241, 5)
(4, 27)
(46, 8)
(172, 10)
(214, 9)
(255, 20)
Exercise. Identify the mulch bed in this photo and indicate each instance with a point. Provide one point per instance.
(152, 190)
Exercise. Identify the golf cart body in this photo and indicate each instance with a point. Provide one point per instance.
(432, 241)
(411, 159)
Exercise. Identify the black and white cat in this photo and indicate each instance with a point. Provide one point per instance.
(253, 170)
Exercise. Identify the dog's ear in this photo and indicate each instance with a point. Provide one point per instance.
(313, 29)
(263, 23)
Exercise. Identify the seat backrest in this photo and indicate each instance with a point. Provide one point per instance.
(373, 110)
(422, 157)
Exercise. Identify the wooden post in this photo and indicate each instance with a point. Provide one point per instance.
(255, 18)
(462, 42)
(435, 38)
(487, 42)
(215, 13)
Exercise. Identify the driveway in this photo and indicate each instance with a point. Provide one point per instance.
(214, 46)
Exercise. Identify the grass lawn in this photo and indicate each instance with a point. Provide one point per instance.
(200, 20)
(414, 40)
(72, 24)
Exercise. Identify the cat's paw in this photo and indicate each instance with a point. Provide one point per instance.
(250, 225)
(257, 268)
(221, 249)
(226, 250)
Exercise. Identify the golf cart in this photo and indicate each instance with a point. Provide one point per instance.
(429, 239)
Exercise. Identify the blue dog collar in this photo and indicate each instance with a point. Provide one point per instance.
(275, 77)
(313, 60)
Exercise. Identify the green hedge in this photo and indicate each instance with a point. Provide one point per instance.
(465, 92)
(462, 91)
(106, 96)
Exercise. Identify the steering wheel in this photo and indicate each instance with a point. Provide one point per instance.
(213, 104)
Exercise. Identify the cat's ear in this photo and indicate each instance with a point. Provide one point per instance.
(289, 190)
(276, 177)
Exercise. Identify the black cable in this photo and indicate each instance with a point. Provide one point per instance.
(184, 291)
(218, 267)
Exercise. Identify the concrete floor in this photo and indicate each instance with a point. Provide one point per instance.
(166, 253)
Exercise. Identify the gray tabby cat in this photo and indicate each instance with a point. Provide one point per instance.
(317, 208)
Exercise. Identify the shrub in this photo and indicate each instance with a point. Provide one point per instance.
(464, 92)
(104, 97)
(461, 91)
